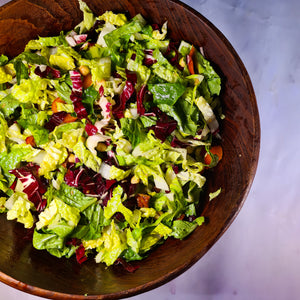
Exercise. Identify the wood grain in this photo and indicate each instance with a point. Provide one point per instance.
(37, 272)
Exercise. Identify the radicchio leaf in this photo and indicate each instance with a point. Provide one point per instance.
(76, 94)
(55, 120)
(139, 100)
(126, 265)
(149, 60)
(80, 254)
(46, 72)
(33, 185)
(91, 129)
(126, 94)
(164, 125)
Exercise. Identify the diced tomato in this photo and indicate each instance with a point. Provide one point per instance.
(30, 141)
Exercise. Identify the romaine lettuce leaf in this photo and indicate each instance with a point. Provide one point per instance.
(62, 61)
(47, 241)
(11, 159)
(113, 244)
(166, 93)
(8, 105)
(3, 60)
(90, 227)
(88, 17)
(59, 217)
(19, 207)
(22, 71)
(63, 89)
(73, 197)
(3, 131)
(133, 130)
(114, 19)
(115, 205)
(182, 229)
(4, 76)
(86, 157)
(31, 90)
(56, 154)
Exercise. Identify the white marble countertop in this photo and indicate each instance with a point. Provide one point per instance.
(259, 255)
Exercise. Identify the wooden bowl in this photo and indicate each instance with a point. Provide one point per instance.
(41, 274)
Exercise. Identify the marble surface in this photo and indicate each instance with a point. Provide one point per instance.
(259, 255)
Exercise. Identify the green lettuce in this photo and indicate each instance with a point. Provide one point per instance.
(86, 157)
(22, 71)
(8, 105)
(59, 217)
(114, 19)
(4, 76)
(11, 159)
(182, 229)
(19, 208)
(3, 130)
(3, 60)
(113, 244)
(56, 154)
(133, 130)
(88, 17)
(115, 205)
(91, 224)
(31, 90)
(72, 197)
(166, 93)
(100, 67)
(62, 60)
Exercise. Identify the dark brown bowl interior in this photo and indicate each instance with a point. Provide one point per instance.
(39, 273)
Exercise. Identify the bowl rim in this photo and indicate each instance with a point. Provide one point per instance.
(41, 292)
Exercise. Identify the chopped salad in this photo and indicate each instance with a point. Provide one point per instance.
(105, 133)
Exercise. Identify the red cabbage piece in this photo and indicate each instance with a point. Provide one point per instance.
(33, 185)
(91, 129)
(164, 125)
(55, 120)
(76, 94)
(72, 177)
(149, 60)
(80, 38)
(80, 110)
(163, 129)
(133, 56)
(126, 265)
(80, 254)
(46, 72)
(86, 180)
(176, 143)
(92, 34)
(111, 159)
(75, 77)
(175, 169)
(173, 59)
(126, 94)
(139, 100)
(101, 91)
(131, 76)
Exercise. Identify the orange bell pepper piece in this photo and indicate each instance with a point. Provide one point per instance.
(216, 150)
